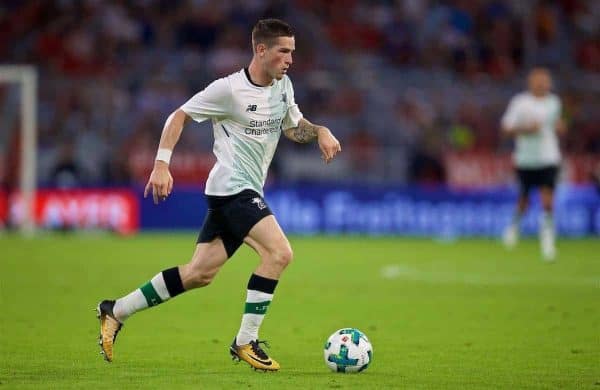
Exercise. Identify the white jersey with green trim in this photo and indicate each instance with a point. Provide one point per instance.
(539, 149)
(247, 122)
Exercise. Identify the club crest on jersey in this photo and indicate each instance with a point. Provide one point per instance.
(259, 203)
(284, 97)
(251, 107)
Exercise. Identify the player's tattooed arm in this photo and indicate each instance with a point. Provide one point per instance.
(306, 132)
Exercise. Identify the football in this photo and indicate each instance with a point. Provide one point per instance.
(348, 350)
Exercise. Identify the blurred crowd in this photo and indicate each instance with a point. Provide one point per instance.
(401, 83)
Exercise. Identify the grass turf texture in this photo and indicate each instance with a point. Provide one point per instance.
(462, 315)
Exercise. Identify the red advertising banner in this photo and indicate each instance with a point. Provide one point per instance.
(3, 208)
(481, 170)
(107, 209)
(579, 168)
(478, 170)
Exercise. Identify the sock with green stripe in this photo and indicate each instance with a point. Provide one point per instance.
(258, 297)
(164, 286)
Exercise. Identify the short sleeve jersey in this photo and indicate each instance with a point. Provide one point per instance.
(539, 149)
(247, 121)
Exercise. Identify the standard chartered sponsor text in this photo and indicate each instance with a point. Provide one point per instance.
(268, 126)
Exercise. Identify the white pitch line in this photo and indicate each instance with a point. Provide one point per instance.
(399, 271)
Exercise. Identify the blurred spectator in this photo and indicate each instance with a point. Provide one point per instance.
(405, 81)
(588, 54)
(66, 173)
(363, 148)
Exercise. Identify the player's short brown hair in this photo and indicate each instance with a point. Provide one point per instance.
(268, 30)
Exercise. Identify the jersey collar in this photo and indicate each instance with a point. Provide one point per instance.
(247, 73)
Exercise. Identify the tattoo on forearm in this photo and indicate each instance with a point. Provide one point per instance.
(305, 132)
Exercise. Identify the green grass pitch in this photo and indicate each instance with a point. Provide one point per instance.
(440, 315)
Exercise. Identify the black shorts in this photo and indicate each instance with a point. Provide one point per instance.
(537, 177)
(231, 218)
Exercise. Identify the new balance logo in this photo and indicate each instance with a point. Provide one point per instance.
(251, 107)
(259, 203)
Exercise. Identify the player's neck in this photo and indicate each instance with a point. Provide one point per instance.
(257, 76)
(538, 95)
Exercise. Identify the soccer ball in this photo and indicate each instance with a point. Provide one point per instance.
(348, 350)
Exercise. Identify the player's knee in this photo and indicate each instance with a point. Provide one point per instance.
(200, 278)
(283, 256)
(547, 201)
(523, 204)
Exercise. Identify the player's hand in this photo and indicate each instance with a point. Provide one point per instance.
(532, 128)
(561, 126)
(160, 182)
(328, 144)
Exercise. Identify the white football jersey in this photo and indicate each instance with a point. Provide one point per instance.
(247, 122)
(542, 148)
